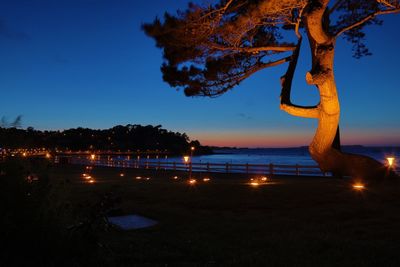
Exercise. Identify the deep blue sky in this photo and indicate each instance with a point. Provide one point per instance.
(70, 63)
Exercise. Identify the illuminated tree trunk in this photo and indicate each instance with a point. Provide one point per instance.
(327, 111)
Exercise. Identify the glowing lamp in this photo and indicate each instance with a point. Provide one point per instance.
(390, 161)
(24, 154)
(48, 155)
(358, 186)
(91, 181)
(175, 177)
(147, 178)
(264, 178)
(206, 179)
(254, 184)
(138, 178)
(192, 148)
(93, 157)
(186, 159)
(121, 174)
(192, 181)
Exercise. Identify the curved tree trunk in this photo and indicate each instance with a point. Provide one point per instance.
(322, 76)
(327, 111)
(321, 150)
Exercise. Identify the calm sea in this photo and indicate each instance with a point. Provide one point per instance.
(289, 156)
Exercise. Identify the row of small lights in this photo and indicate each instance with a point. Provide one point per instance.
(91, 180)
(254, 182)
(257, 181)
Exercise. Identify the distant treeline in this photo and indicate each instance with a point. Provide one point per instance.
(124, 138)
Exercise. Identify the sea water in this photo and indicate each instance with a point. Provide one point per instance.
(284, 156)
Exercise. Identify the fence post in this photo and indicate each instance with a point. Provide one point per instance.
(297, 170)
(271, 169)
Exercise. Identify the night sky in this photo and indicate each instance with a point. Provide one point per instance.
(71, 63)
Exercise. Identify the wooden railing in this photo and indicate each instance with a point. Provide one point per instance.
(267, 169)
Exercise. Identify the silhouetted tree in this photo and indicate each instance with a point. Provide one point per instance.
(15, 124)
(210, 49)
(129, 137)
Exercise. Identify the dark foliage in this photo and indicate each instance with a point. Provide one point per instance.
(212, 48)
(124, 138)
(208, 50)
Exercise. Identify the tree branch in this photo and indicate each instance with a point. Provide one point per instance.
(221, 10)
(314, 21)
(365, 19)
(297, 24)
(335, 6)
(233, 80)
(286, 80)
(253, 49)
(299, 111)
(386, 3)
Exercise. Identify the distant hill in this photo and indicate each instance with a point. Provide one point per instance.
(123, 138)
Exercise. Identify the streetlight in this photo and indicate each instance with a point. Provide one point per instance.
(390, 161)
(186, 159)
(191, 160)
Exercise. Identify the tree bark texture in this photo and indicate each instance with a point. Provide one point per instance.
(321, 75)
(323, 148)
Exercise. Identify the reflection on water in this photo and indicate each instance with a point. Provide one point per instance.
(284, 156)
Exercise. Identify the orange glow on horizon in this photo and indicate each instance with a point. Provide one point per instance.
(253, 139)
(290, 138)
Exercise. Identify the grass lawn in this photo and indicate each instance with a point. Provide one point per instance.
(291, 222)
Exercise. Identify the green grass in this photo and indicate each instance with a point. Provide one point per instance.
(292, 222)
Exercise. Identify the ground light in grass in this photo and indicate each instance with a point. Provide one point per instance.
(206, 179)
(89, 179)
(192, 181)
(138, 177)
(175, 177)
(86, 176)
(359, 186)
(255, 182)
(122, 174)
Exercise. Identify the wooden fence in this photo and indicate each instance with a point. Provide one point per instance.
(267, 169)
